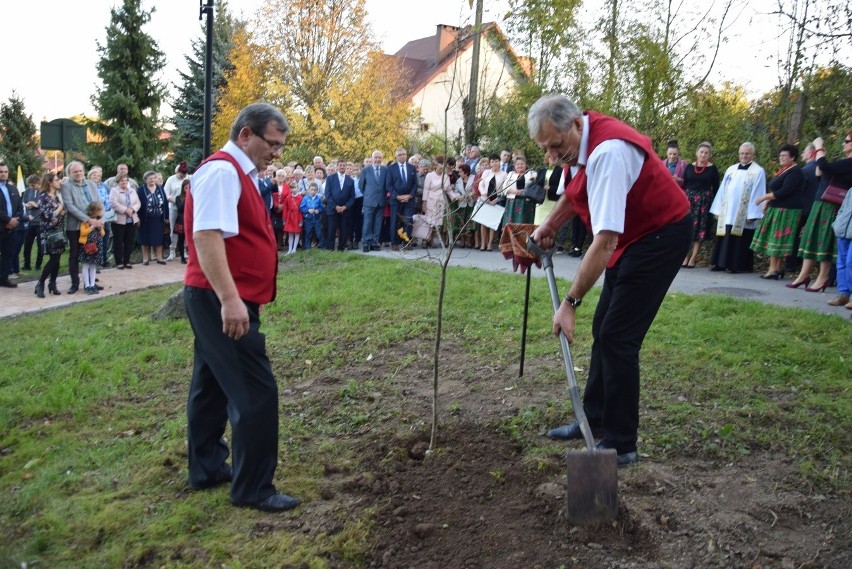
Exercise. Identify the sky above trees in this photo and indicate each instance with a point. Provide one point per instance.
(747, 58)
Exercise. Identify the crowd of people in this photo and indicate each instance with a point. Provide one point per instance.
(411, 201)
(98, 222)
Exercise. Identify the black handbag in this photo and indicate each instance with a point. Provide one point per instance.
(55, 239)
(535, 192)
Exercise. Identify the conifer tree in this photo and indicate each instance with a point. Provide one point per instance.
(188, 104)
(18, 143)
(128, 101)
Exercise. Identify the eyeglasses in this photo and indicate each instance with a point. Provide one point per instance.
(274, 146)
(847, 141)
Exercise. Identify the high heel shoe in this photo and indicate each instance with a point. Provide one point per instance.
(819, 289)
(39, 289)
(52, 288)
(773, 276)
(805, 282)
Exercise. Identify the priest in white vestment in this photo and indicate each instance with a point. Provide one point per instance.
(737, 215)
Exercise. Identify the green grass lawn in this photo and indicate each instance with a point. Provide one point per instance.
(92, 417)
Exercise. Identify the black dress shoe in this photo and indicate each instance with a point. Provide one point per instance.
(223, 477)
(8, 284)
(623, 456)
(570, 432)
(276, 503)
(375, 248)
(73, 289)
(365, 249)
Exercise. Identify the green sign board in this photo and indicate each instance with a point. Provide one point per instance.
(62, 134)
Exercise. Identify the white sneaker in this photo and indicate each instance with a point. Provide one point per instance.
(171, 256)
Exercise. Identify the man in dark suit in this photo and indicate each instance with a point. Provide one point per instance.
(11, 211)
(401, 188)
(266, 184)
(372, 184)
(340, 197)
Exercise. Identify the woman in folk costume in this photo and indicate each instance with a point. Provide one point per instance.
(518, 208)
(782, 207)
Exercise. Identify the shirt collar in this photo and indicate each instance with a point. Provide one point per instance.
(583, 153)
(243, 160)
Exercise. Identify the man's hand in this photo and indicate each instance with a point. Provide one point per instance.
(543, 236)
(235, 319)
(13, 223)
(563, 321)
(96, 223)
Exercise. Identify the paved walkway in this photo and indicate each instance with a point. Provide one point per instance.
(697, 281)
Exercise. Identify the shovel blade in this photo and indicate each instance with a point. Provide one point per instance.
(592, 493)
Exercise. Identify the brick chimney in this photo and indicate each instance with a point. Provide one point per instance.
(445, 38)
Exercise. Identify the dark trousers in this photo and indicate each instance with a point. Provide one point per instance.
(7, 252)
(632, 293)
(122, 242)
(337, 221)
(33, 232)
(74, 257)
(313, 227)
(103, 254)
(401, 213)
(373, 216)
(579, 233)
(181, 246)
(19, 237)
(231, 381)
(357, 221)
(51, 268)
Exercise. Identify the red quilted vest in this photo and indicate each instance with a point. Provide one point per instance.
(654, 201)
(252, 254)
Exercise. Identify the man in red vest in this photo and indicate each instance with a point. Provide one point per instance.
(641, 226)
(233, 264)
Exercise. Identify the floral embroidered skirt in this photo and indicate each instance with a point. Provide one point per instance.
(776, 232)
(699, 206)
(818, 242)
(519, 210)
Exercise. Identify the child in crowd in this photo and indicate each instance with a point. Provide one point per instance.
(92, 241)
(180, 203)
(290, 201)
(311, 208)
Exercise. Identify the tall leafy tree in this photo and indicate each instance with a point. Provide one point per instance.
(18, 143)
(542, 29)
(188, 102)
(250, 79)
(317, 43)
(128, 101)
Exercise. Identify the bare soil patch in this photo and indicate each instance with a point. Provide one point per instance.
(480, 500)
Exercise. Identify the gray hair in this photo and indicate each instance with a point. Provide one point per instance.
(256, 117)
(750, 145)
(68, 168)
(556, 108)
(377, 153)
(706, 145)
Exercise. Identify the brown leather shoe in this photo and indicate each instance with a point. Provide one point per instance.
(839, 300)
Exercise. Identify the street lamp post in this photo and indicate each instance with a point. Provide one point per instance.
(208, 73)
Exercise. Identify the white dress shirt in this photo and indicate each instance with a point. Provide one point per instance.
(216, 190)
(611, 170)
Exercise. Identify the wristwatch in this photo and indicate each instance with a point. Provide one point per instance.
(574, 302)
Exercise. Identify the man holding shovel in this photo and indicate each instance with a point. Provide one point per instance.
(641, 226)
